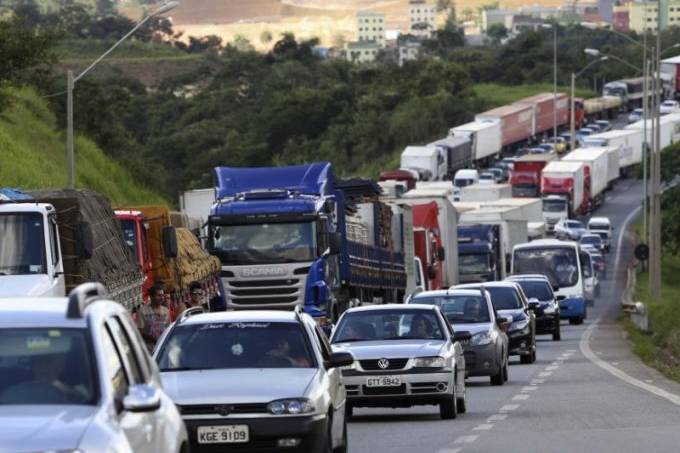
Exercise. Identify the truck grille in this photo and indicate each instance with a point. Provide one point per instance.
(263, 292)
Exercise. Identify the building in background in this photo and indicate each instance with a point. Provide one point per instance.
(362, 52)
(371, 27)
(422, 17)
(605, 8)
(408, 51)
(643, 14)
(621, 17)
(525, 14)
(497, 16)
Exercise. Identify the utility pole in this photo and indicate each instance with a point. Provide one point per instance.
(70, 175)
(555, 83)
(572, 129)
(655, 172)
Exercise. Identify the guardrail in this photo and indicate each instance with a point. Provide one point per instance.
(637, 311)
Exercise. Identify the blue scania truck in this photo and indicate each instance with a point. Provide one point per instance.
(295, 235)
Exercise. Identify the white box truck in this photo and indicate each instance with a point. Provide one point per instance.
(486, 138)
(429, 161)
(485, 192)
(596, 167)
(562, 184)
(627, 141)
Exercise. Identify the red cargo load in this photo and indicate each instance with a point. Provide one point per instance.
(516, 122)
(543, 105)
(405, 176)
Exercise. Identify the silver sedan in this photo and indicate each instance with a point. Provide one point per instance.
(404, 356)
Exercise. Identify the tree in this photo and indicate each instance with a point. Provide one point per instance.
(242, 43)
(497, 32)
(266, 37)
(104, 7)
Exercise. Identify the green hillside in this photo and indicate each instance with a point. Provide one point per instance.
(33, 155)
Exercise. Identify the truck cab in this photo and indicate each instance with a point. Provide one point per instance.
(479, 253)
(30, 262)
(555, 208)
(135, 234)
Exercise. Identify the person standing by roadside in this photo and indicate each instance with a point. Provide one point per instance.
(154, 317)
(197, 299)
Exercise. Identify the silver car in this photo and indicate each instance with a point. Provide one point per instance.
(406, 355)
(569, 230)
(75, 376)
(471, 311)
(255, 380)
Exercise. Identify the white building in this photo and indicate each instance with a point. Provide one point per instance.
(408, 51)
(422, 18)
(371, 27)
(362, 52)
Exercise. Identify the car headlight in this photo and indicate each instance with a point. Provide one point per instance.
(291, 406)
(549, 310)
(519, 325)
(429, 362)
(481, 339)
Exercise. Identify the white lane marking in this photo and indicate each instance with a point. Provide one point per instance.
(615, 363)
(584, 344)
(467, 439)
(497, 418)
(449, 450)
(557, 363)
(483, 427)
(545, 374)
(598, 353)
(649, 381)
(521, 397)
(528, 389)
(552, 368)
(509, 407)
(570, 351)
(537, 381)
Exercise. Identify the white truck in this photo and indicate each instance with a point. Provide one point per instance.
(531, 209)
(627, 141)
(448, 221)
(485, 192)
(513, 226)
(429, 161)
(596, 168)
(667, 134)
(485, 136)
(564, 181)
(56, 240)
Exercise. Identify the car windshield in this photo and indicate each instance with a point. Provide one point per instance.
(264, 243)
(458, 308)
(377, 325)
(557, 263)
(598, 226)
(574, 225)
(486, 176)
(473, 264)
(536, 289)
(504, 298)
(554, 205)
(595, 240)
(228, 345)
(46, 366)
(22, 244)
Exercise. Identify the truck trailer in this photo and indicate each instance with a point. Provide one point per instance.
(549, 110)
(516, 120)
(595, 167)
(485, 138)
(627, 141)
(563, 190)
(526, 174)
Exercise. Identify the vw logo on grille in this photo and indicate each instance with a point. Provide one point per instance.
(224, 410)
(383, 363)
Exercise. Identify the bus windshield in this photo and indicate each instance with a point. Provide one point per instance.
(559, 264)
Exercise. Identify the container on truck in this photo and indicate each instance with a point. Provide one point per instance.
(531, 210)
(458, 152)
(667, 130)
(516, 122)
(479, 253)
(294, 235)
(447, 219)
(168, 253)
(485, 192)
(429, 161)
(545, 116)
(428, 245)
(52, 241)
(525, 178)
(485, 138)
(627, 141)
(566, 180)
(595, 167)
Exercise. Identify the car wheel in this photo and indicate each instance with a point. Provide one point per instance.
(349, 411)
(343, 448)
(328, 442)
(506, 373)
(525, 359)
(573, 321)
(499, 378)
(533, 354)
(448, 409)
(557, 333)
(461, 402)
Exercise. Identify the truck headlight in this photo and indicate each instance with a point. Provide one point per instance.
(429, 362)
(291, 406)
(520, 326)
(481, 339)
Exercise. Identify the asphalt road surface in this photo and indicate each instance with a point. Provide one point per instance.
(586, 393)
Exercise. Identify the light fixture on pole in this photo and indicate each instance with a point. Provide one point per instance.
(574, 76)
(71, 81)
(554, 29)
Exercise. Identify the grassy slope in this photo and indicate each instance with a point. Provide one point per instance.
(495, 95)
(33, 155)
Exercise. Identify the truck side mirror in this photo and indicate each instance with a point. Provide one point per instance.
(441, 253)
(84, 241)
(334, 243)
(170, 242)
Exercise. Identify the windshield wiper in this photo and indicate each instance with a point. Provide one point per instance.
(182, 368)
(352, 340)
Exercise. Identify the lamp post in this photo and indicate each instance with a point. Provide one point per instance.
(554, 29)
(71, 81)
(574, 76)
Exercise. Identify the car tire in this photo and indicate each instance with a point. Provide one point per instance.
(328, 442)
(533, 354)
(500, 377)
(342, 448)
(573, 321)
(448, 409)
(557, 333)
(506, 373)
(461, 401)
(525, 359)
(349, 411)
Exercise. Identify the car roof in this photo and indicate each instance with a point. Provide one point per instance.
(545, 243)
(448, 292)
(40, 312)
(242, 316)
(591, 235)
(496, 284)
(532, 277)
(599, 220)
(394, 307)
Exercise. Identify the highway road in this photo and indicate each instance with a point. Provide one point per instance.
(586, 393)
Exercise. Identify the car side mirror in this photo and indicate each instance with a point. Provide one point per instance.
(503, 323)
(441, 253)
(142, 398)
(169, 236)
(533, 304)
(462, 336)
(555, 288)
(84, 241)
(339, 359)
(558, 298)
(334, 243)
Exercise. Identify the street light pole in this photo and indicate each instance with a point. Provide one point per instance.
(555, 83)
(70, 86)
(572, 128)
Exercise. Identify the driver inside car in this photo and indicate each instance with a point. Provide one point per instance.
(281, 351)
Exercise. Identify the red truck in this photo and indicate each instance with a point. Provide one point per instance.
(526, 174)
(517, 122)
(542, 106)
(427, 243)
(407, 176)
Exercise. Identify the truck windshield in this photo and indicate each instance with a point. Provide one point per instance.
(557, 263)
(130, 235)
(473, 264)
(614, 91)
(22, 244)
(264, 243)
(554, 205)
